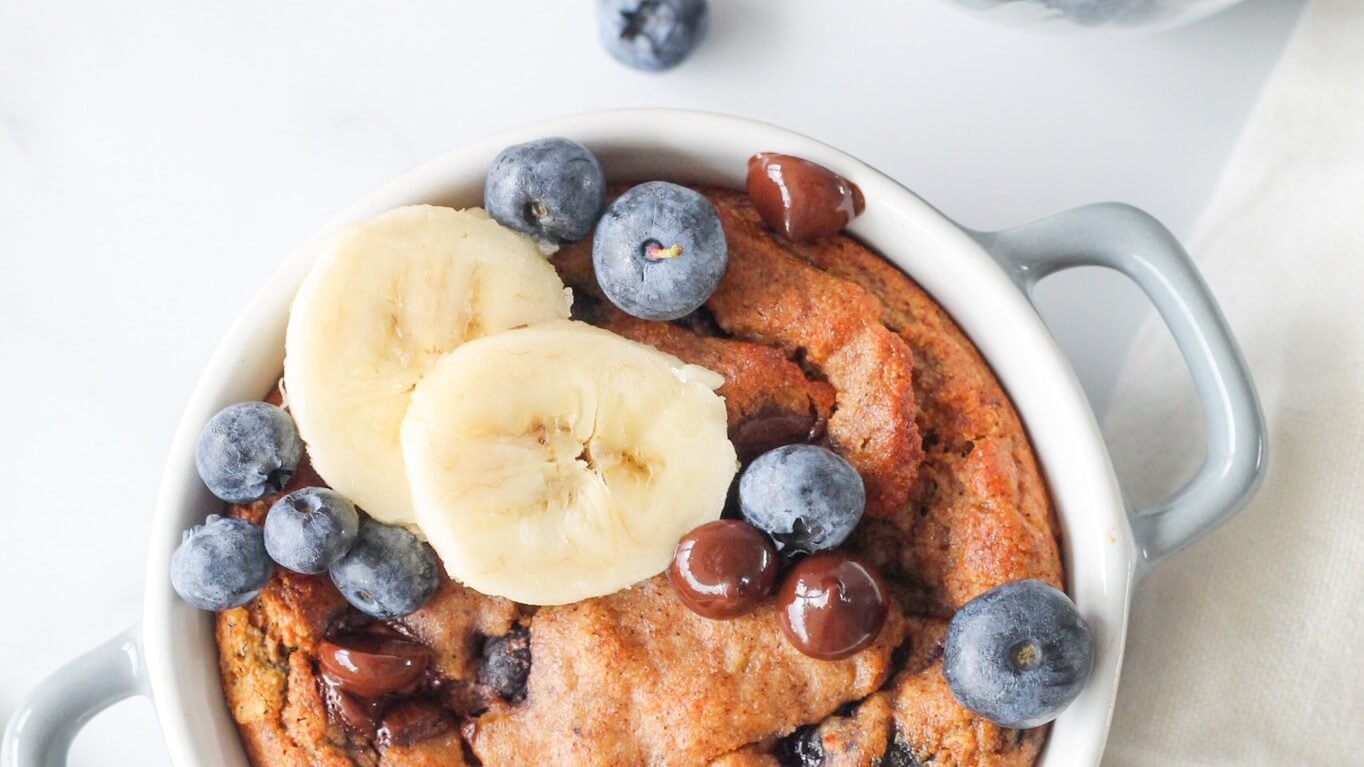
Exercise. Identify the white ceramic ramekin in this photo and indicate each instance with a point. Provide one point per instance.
(982, 279)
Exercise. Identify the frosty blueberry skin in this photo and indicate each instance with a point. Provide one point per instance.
(247, 451)
(651, 35)
(659, 251)
(1018, 654)
(388, 573)
(551, 189)
(220, 564)
(309, 529)
(807, 498)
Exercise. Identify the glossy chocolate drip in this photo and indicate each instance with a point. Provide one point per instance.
(800, 199)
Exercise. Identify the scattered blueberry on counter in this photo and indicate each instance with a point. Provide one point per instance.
(388, 573)
(659, 251)
(807, 498)
(247, 451)
(551, 189)
(652, 35)
(1018, 654)
(220, 564)
(309, 529)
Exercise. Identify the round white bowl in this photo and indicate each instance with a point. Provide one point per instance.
(982, 279)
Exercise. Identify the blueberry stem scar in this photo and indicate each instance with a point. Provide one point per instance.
(654, 251)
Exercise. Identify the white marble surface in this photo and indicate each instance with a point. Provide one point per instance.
(157, 158)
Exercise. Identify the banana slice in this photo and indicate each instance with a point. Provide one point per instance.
(385, 301)
(560, 462)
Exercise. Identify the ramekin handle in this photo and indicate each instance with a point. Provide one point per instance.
(40, 732)
(1134, 243)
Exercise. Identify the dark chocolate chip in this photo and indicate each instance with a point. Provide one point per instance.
(832, 605)
(723, 569)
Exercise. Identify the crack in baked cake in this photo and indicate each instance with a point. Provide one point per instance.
(821, 342)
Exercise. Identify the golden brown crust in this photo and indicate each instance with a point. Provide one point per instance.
(772, 296)
(931, 726)
(979, 514)
(272, 692)
(267, 653)
(858, 740)
(748, 756)
(634, 678)
(445, 750)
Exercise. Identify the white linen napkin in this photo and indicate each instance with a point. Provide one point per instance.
(1248, 647)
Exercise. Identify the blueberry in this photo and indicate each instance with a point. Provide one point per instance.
(388, 573)
(220, 564)
(659, 251)
(505, 664)
(551, 189)
(1018, 654)
(247, 451)
(309, 529)
(806, 497)
(652, 35)
(802, 748)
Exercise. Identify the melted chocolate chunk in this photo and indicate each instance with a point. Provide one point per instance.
(800, 199)
(358, 715)
(369, 665)
(412, 722)
(505, 664)
(370, 679)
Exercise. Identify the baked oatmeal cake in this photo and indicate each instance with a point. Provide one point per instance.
(817, 341)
